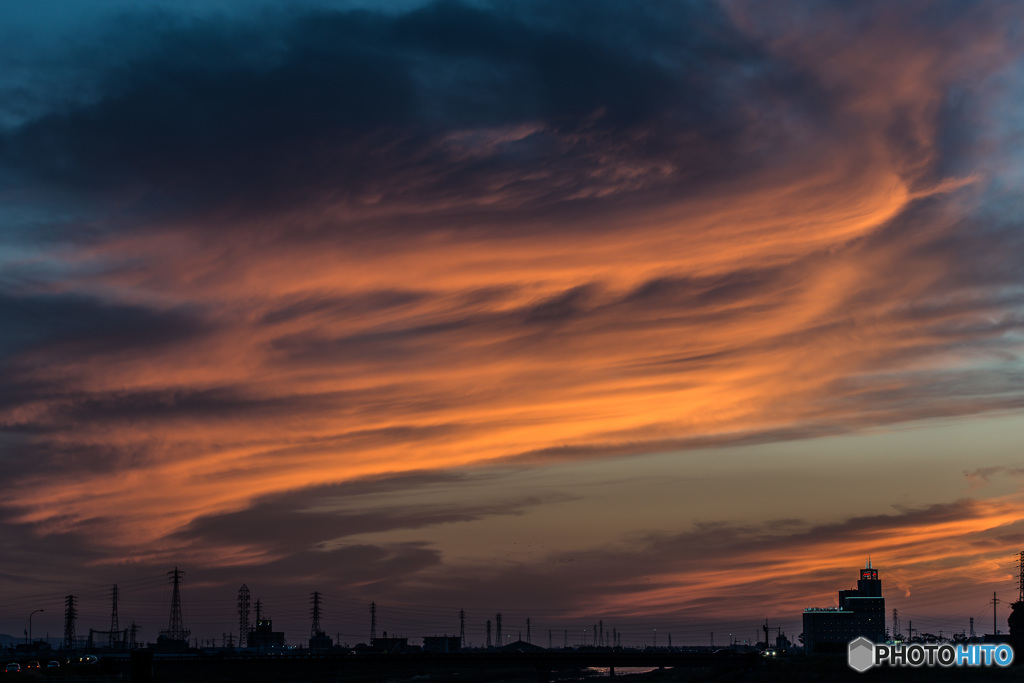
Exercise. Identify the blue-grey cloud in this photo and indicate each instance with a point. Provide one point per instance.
(345, 106)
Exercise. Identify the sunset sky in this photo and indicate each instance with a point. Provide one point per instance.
(665, 314)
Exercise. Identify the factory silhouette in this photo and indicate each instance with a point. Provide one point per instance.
(256, 632)
(827, 631)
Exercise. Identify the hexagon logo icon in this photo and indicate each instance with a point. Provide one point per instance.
(861, 654)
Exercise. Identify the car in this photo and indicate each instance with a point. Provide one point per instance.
(33, 665)
(13, 668)
(53, 664)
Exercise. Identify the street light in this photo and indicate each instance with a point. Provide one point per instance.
(30, 624)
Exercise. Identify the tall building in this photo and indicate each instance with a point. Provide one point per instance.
(263, 637)
(861, 612)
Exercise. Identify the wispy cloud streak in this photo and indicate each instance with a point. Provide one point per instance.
(264, 255)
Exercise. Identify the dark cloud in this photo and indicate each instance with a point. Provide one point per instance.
(355, 107)
(688, 293)
(331, 306)
(88, 326)
(379, 346)
(312, 517)
(365, 565)
(561, 307)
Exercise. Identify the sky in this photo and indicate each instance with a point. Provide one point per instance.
(659, 315)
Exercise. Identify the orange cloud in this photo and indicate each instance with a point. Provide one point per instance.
(604, 297)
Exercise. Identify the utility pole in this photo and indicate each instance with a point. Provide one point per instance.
(488, 634)
(995, 601)
(497, 629)
(462, 628)
(528, 630)
(373, 622)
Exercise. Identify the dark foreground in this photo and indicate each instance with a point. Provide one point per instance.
(813, 669)
(510, 668)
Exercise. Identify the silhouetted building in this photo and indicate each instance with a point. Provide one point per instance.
(389, 645)
(167, 645)
(442, 643)
(264, 637)
(320, 641)
(521, 646)
(861, 612)
(116, 641)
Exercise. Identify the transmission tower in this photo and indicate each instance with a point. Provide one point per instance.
(114, 628)
(243, 616)
(315, 596)
(259, 611)
(175, 626)
(70, 615)
(373, 622)
(488, 634)
(497, 629)
(133, 638)
(462, 628)
(1020, 580)
(528, 630)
